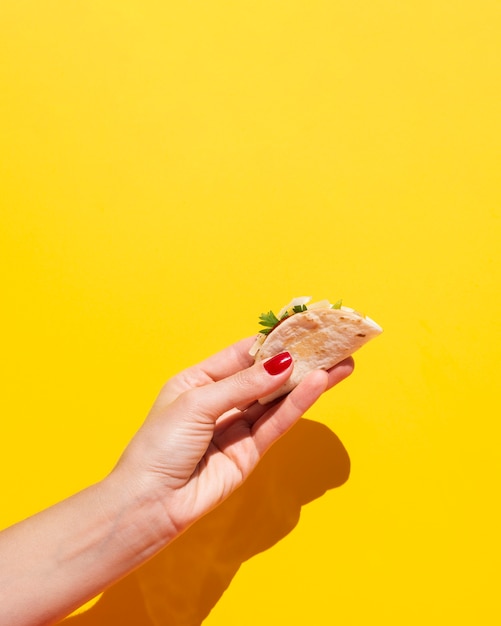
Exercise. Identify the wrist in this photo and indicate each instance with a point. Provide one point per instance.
(70, 552)
(139, 514)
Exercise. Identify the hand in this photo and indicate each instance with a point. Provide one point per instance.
(193, 450)
(196, 446)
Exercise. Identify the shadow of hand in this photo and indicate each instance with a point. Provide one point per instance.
(183, 583)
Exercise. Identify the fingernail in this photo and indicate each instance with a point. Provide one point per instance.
(278, 363)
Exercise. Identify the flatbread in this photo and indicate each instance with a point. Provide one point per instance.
(317, 339)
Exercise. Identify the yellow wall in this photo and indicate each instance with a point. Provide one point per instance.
(170, 170)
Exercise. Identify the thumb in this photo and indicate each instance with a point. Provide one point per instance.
(238, 390)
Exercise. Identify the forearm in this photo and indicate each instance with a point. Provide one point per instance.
(58, 559)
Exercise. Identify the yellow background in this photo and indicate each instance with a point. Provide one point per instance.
(170, 170)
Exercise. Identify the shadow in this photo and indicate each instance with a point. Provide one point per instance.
(181, 585)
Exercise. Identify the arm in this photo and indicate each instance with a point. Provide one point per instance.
(58, 559)
(192, 451)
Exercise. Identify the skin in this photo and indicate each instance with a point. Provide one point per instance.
(193, 450)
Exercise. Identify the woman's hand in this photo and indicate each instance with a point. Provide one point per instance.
(203, 436)
(206, 432)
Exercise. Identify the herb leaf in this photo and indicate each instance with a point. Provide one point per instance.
(269, 321)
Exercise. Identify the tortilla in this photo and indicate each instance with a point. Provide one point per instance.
(317, 339)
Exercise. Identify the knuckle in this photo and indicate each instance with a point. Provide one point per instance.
(189, 400)
(244, 380)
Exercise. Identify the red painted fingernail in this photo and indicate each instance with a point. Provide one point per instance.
(278, 363)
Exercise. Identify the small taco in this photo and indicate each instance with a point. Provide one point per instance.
(317, 335)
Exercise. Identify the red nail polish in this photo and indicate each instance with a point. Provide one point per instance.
(278, 363)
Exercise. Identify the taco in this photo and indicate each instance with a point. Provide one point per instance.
(318, 336)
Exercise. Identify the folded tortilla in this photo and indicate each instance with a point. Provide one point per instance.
(317, 339)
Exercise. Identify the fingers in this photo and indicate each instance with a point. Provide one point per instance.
(272, 424)
(334, 376)
(280, 418)
(340, 371)
(228, 361)
(236, 384)
(216, 367)
(209, 402)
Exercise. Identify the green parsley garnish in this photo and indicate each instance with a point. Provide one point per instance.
(269, 321)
